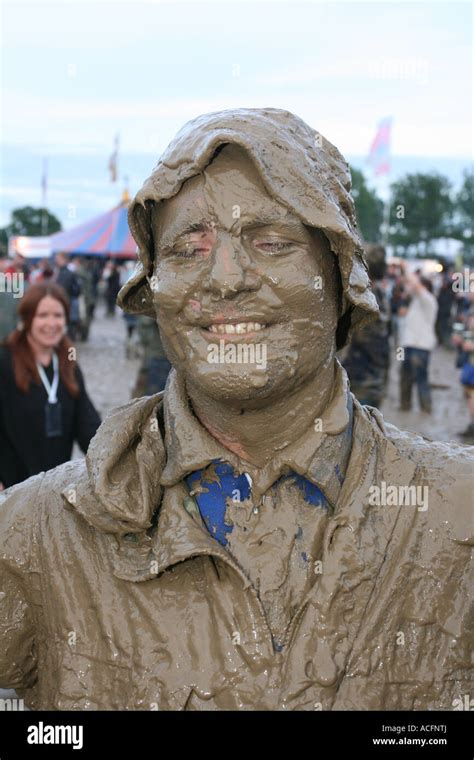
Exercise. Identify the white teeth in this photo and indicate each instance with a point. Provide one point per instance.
(240, 328)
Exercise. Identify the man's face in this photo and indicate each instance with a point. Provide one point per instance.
(237, 278)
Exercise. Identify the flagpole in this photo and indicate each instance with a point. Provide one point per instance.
(44, 186)
(386, 218)
(113, 160)
(379, 159)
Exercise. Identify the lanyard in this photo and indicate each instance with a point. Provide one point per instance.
(51, 389)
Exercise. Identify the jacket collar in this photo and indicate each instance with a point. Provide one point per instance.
(321, 457)
(120, 491)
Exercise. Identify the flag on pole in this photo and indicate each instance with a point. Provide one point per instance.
(44, 191)
(379, 155)
(113, 160)
(44, 182)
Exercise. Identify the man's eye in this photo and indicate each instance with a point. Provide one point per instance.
(189, 252)
(273, 246)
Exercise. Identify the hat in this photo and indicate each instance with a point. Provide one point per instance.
(298, 167)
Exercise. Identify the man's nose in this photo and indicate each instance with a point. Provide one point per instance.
(231, 268)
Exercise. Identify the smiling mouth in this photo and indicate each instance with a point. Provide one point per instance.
(237, 328)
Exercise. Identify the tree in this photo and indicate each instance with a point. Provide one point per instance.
(28, 221)
(369, 207)
(32, 222)
(463, 226)
(421, 210)
(3, 242)
(465, 199)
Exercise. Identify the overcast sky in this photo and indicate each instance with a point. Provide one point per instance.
(75, 73)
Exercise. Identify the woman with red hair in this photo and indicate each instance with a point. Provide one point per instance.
(44, 406)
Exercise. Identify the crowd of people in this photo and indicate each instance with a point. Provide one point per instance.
(44, 405)
(417, 312)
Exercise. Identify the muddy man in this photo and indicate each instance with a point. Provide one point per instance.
(252, 538)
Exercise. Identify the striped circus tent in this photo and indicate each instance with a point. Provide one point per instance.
(104, 235)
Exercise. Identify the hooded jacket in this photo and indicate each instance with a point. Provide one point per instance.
(114, 596)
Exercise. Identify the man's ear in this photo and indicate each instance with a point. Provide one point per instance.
(136, 296)
(140, 223)
(343, 327)
(333, 272)
(344, 307)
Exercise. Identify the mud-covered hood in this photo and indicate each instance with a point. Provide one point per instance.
(299, 168)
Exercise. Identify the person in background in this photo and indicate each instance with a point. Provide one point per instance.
(95, 268)
(9, 301)
(463, 339)
(131, 344)
(446, 299)
(44, 271)
(66, 277)
(368, 357)
(418, 339)
(112, 288)
(18, 265)
(44, 406)
(127, 270)
(86, 299)
(155, 367)
(398, 303)
(391, 276)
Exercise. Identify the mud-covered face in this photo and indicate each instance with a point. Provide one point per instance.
(246, 295)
